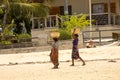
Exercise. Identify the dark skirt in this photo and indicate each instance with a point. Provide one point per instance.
(75, 53)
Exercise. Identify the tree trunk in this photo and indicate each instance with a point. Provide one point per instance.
(7, 8)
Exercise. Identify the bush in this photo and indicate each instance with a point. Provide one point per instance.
(24, 37)
(64, 34)
(5, 43)
(21, 36)
(75, 21)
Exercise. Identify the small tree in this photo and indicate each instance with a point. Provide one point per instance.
(70, 22)
(75, 21)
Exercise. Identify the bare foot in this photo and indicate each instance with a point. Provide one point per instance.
(54, 68)
(72, 65)
(83, 64)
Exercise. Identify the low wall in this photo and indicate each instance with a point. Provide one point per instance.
(39, 36)
(42, 38)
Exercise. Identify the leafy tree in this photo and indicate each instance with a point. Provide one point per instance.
(22, 11)
(75, 21)
(70, 22)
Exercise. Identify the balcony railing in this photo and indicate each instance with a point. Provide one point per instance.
(52, 21)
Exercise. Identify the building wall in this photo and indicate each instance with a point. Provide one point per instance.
(78, 6)
(117, 2)
(82, 6)
(117, 6)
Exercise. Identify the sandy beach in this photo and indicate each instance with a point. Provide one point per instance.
(95, 70)
(102, 63)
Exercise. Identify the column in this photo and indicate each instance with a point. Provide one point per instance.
(90, 15)
(65, 6)
(109, 13)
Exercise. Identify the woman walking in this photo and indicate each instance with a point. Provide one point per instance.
(54, 53)
(75, 51)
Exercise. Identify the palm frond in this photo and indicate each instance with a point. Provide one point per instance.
(37, 9)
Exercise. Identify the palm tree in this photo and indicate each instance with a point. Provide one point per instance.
(24, 11)
(21, 11)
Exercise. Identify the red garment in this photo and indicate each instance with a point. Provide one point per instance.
(54, 56)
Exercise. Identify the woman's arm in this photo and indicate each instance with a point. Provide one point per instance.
(73, 32)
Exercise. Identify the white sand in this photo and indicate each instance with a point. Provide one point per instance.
(96, 70)
(97, 66)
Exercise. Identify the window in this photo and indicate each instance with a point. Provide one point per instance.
(98, 8)
(103, 7)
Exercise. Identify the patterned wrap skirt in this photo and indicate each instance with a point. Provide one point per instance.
(75, 53)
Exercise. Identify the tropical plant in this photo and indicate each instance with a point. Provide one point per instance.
(22, 11)
(75, 21)
(7, 34)
(5, 42)
(64, 34)
(8, 30)
(23, 36)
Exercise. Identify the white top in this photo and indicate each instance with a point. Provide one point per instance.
(55, 44)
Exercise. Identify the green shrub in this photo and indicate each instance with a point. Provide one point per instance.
(64, 34)
(22, 36)
(5, 42)
(8, 30)
(75, 21)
